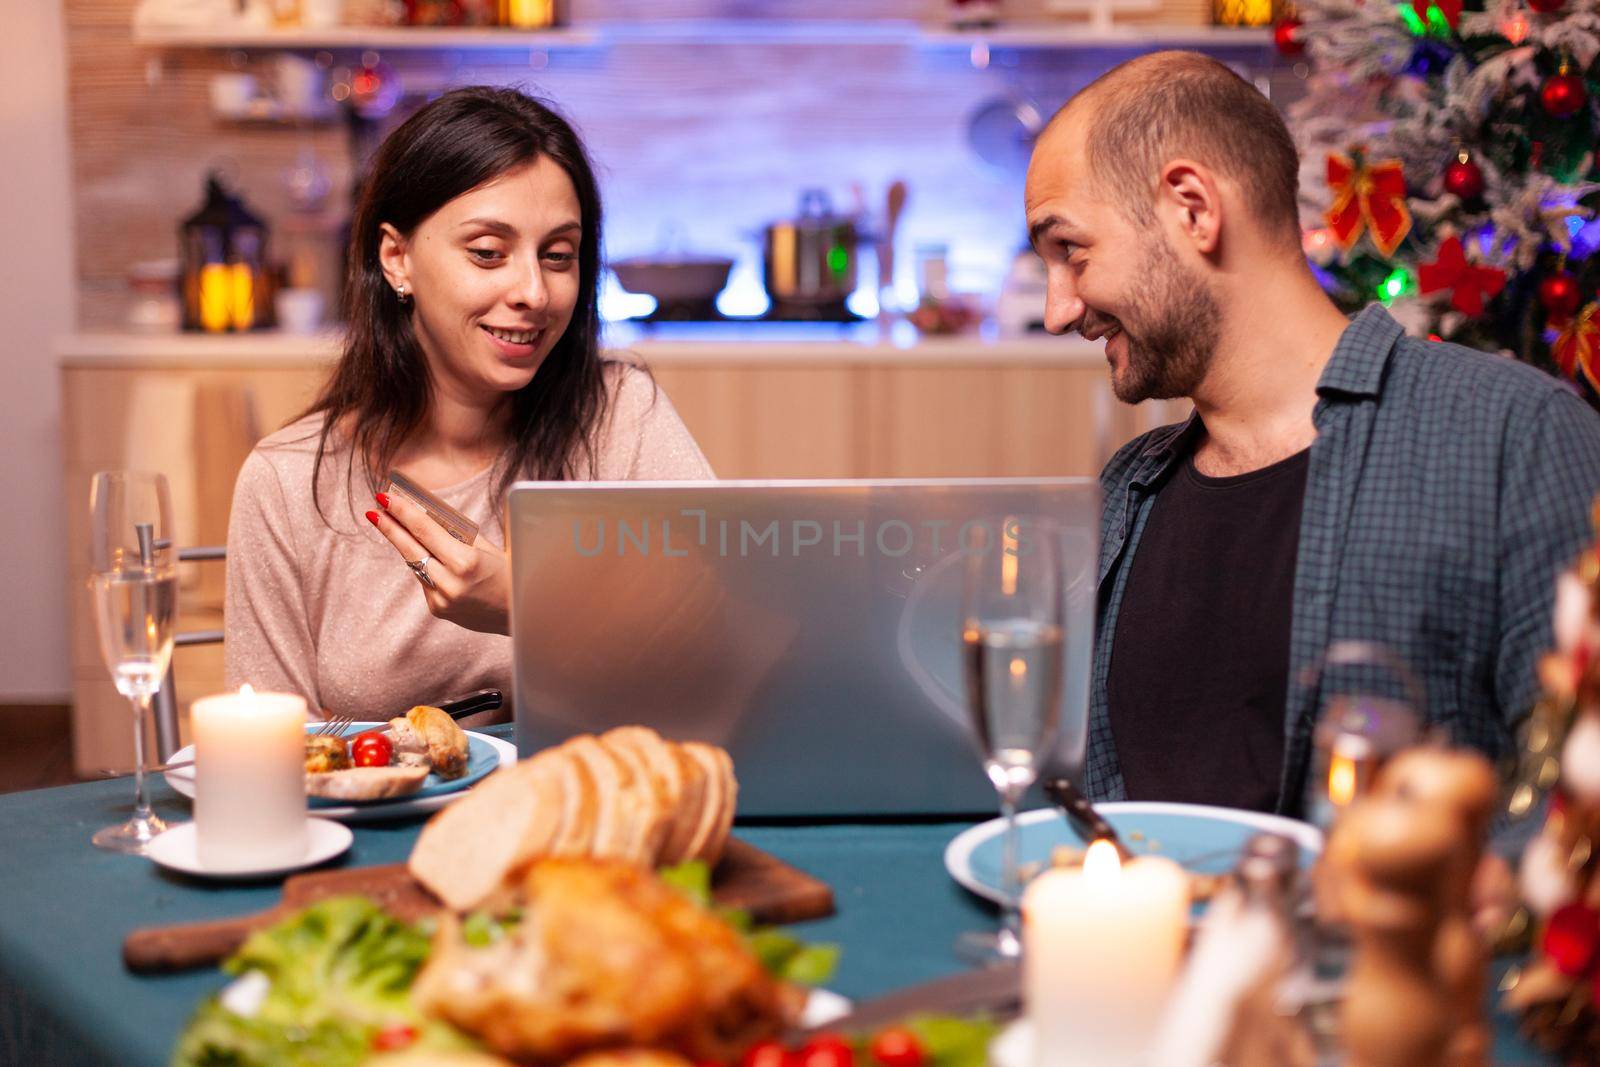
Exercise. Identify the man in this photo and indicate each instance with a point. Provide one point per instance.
(1337, 480)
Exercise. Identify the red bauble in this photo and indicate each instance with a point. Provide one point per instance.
(1571, 937)
(1547, 7)
(1563, 96)
(1284, 36)
(1465, 179)
(1559, 295)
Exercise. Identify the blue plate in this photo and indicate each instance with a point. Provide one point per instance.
(481, 759)
(1203, 839)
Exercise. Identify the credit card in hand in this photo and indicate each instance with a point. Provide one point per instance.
(455, 524)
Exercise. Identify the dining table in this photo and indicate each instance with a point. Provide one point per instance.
(65, 908)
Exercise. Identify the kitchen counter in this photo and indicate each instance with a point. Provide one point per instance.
(764, 400)
(657, 344)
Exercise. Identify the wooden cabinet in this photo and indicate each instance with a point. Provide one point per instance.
(193, 407)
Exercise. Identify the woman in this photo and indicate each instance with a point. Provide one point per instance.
(472, 360)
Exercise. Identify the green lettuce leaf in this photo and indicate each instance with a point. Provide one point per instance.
(783, 955)
(953, 1040)
(338, 972)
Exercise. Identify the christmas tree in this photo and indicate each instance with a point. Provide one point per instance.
(1449, 169)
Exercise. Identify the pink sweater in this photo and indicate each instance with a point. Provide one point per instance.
(328, 610)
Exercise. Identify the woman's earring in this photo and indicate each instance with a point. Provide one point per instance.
(401, 294)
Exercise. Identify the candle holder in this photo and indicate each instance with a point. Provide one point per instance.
(1361, 727)
(1103, 946)
(1356, 736)
(250, 793)
(1246, 12)
(225, 283)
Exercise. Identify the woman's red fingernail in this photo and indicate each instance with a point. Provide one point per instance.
(383, 501)
(372, 517)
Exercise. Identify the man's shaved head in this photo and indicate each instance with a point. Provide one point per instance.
(1144, 113)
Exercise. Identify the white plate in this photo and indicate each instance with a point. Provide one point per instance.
(1202, 838)
(175, 850)
(1013, 1046)
(182, 780)
(823, 1006)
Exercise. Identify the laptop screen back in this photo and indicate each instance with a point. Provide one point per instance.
(810, 627)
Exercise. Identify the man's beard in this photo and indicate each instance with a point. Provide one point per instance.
(1172, 328)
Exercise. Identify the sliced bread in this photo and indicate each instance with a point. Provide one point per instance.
(655, 770)
(467, 850)
(620, 799)
(716, 813)
(579, 802)
(366, 783)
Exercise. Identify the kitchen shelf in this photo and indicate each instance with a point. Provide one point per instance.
(1054, 35)
(333, 38)
(1070, 35)
(761, 31)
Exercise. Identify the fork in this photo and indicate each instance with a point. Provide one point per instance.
(334, 727)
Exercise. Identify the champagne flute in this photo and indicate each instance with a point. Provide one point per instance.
(1012, 630)
(135, 593)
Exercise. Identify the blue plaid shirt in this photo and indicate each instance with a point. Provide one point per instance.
(1447, 489)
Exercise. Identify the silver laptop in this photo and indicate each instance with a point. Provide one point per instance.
(810, 627)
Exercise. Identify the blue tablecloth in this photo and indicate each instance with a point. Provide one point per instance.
(65, 907)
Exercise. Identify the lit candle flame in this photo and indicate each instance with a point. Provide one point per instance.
(246, 691)
(1101, 863)
(1342, 780)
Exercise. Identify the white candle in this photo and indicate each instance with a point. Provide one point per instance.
(249, 779)
(1101, 948)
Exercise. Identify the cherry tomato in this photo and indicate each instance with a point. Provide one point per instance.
(767, 1054)
(827, 1050)
(394, 1037)
(898, 1047)
(371, 749)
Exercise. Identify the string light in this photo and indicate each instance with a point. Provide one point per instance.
(1395, 285)
(1315, 240)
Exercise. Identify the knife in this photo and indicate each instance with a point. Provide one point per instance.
(472, 703)
(1086, 822)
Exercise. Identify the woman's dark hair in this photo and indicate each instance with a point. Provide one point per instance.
(380, 390)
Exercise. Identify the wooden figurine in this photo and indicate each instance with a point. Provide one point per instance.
(1464, 785)
(1393, 854)
(1227, 1005)
(1262, 1035)
(1398, 874)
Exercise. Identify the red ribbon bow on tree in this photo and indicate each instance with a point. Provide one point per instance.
(1577, 347)
(1469, 284)
(1370, 198)
(1450, 9)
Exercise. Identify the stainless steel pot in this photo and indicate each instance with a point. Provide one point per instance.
(811, 259)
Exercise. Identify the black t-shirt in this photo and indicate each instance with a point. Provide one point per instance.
(1199, 664)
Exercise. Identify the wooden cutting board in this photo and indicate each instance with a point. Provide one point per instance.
(769, 889)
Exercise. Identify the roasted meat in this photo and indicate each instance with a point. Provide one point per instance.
(324, 754)
(605, 956)
(428, 736)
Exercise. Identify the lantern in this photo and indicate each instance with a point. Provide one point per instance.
(529, 14)
(224, 252)
(1248, 12)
